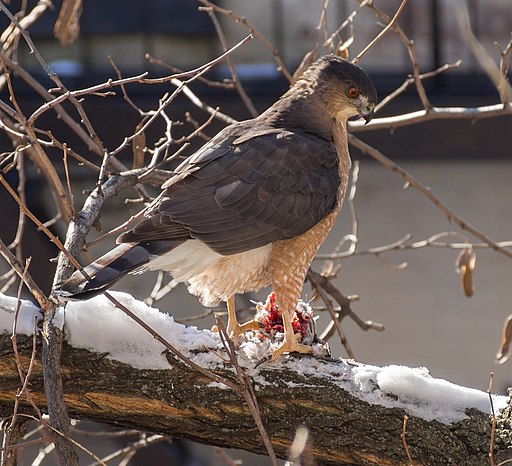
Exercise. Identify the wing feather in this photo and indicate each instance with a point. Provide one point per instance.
(238, 193)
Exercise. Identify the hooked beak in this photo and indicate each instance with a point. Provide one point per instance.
(367, 114)
(367, 117)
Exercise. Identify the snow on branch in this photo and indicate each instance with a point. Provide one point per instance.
(117, 373)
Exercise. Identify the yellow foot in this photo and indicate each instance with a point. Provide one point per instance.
(291, 346)
(235, 329)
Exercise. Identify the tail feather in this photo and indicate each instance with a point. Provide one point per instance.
(110, 268)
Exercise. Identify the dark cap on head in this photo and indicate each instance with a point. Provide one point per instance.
(332, 67)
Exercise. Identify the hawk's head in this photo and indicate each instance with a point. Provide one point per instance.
(346, 89)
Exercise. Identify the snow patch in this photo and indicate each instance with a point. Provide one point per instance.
(420, 394)
(97, 325)
(27, 313)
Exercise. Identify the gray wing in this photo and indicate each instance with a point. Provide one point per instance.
(236, 196)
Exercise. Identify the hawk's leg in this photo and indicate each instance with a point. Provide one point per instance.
(290, 343)
(234, 329)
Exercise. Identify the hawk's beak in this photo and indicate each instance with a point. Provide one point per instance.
(366, 114)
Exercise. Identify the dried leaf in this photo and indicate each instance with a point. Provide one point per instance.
(506, 338)
(466, 262)
(306, 62)
(342, 49)
(138, 146)
(67, 26)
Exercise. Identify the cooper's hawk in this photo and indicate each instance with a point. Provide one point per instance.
(251, 207)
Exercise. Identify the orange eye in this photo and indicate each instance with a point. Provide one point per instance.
(353, 92)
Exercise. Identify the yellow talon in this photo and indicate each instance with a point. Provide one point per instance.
(291, 347)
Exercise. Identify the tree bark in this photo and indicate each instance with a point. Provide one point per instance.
(184, 403)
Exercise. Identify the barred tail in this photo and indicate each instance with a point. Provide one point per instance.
(110, 268)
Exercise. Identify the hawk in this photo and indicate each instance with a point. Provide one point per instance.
(252, 206)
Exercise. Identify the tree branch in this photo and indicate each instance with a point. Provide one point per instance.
(410, 180)
(320, 394)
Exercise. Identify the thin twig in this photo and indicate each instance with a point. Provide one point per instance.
(69, 439)
(16, 265)
(141, 79)
(247, 391)
(493, 426)
(234, 74)
(66, 170)
(18, 240)
(410, 80)
(451, 215)
(132, 447)
(321, 292)
(404, 442)
(402, 245)
(344, 302)
(328, 44)
(224, 84)
(409, 44)
(381, 34)
(169, 99)
(61, 112)
(239, 19)
(481, 55)
(36, 152)
(224, 456)
(202, 105)
(170, 348)
(353, 236)
(12, 429)
(32, 217)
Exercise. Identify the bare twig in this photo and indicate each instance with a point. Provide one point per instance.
(410, 80)
(403, 245)
(202, 105)
(37, 153)
(404, 441)
(247, 390)
(328, 44)
(353, 235)
(409, 44)
(236, 80)
(133, 447)
(11, 35)
(493, 426)
(435, 113)
(17, 242)
(344, 302)
(239, 19)
(451, 215)
(224, 84)
(14, 431)
(381, 33)
(141, 79)
(484, 59)
(59, 434)
(321, 292)
(47, 96)
(170, 348)
(16, 265)
(32, 217)
(66, 170)
(226, 458)
(169, 99)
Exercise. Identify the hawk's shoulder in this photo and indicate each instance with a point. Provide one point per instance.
(246, 188)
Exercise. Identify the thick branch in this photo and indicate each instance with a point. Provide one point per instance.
(435, 113)
(343, 429)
